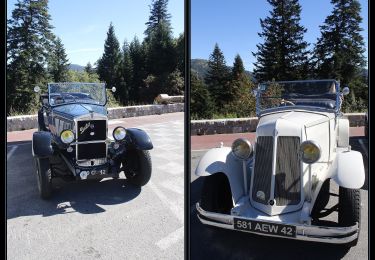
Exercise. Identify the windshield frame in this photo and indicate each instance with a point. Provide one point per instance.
(336, 109)
(81, 101)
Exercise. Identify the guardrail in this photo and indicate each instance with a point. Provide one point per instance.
(242, 125)
(16, 123)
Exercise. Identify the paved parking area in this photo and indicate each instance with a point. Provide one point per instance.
(106, 220)
(215, 243)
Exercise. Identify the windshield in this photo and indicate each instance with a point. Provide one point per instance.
(312, 93)
(63, 93)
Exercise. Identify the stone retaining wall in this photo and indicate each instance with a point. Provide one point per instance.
(242, 125)
(16, 123)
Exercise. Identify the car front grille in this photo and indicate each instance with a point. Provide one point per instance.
(91, 130)
(91, 136)
(263, 169)
(287, 178)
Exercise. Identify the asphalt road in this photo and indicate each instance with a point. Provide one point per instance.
(215, 243)
(106, 220)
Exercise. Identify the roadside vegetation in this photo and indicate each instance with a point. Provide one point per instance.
(140, 70)
(284, 55)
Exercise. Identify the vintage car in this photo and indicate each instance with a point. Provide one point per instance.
(72, 140)
(281, 187)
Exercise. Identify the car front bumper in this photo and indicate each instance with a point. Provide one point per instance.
(325, 234)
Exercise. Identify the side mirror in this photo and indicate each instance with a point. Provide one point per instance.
(254, 92)
(36, 89)
(113, 89)
(345, 91)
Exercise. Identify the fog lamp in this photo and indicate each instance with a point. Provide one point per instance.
(242, 148)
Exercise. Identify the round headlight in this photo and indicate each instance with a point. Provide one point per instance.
(119, 133)
(67, 136)
(242, 148)
(310, 152)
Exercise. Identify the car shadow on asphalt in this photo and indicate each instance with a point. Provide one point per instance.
(82, 197)
(217, 243)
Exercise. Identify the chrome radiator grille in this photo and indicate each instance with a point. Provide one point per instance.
(287, 178)
(287, 175)
(263, 169)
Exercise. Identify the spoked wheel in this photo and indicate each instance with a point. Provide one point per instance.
(44, 177)
(137, 167)
(350, 209)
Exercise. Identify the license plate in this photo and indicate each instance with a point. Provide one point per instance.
(265, 227)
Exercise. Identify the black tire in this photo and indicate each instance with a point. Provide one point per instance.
(216, 194)
(349, 209)
(137, 167)
(322, 199)
(44, 177)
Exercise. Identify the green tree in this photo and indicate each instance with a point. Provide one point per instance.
(89, 69)
(283, 55)
(201, 104)
(218, 78)
(58, 64)
(180, 54)
(339, 51)
(126, 84)
(109, 65)
(137, 52)
(158, 14)
(29, 43)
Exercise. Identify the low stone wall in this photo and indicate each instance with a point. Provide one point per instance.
(16, 123)
(242, 125)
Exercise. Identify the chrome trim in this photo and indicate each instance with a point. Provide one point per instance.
(97, 162)
(88, 142)
(303, 232)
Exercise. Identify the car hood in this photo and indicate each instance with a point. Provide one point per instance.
(72, 111)
(290, 122)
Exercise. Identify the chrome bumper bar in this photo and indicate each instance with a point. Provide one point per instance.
(334, 235)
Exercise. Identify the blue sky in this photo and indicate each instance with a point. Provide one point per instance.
(234, 25)
(83, 24)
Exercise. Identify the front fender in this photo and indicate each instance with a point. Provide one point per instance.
(139, 139)
(350, 171)
(41, 144)
(222, 160)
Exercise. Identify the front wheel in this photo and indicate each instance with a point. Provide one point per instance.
(44, 177)
(137, 167)
(349, 209)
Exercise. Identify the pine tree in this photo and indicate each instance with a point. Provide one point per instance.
(125, 91)
(29, 42)
(89, 69)
(238, 68)
(180, 53)
(339, 50)
(201, 104)
(137, 52)
(58, 64)
(283, 55)
(109, 65)
(218, 78)
(158, 15)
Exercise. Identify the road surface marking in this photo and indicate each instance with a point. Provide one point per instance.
(171, 239)
(360, 141)
(11, 151)
(177, 211)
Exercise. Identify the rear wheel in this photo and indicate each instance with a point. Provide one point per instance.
(216, 194)
(349, 209)
(44, 177)
(137, 167)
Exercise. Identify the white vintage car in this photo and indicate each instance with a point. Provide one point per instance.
(281, 186)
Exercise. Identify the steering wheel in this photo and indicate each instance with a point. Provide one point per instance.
(284, 102)
(70, 95)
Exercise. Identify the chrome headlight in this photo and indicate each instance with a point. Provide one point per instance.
(310, 152)
(67, 136)
(242, 148)
(119, 133)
